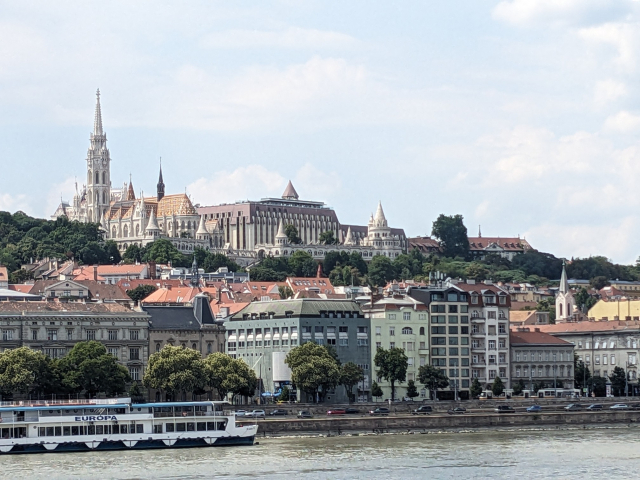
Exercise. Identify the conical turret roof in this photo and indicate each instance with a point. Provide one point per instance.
(281, 233)
(202, 228)
(153, 223)
(564, 283)
(290, 192)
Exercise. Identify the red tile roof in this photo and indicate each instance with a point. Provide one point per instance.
(587, 327)
(532, 337)
(507, 243)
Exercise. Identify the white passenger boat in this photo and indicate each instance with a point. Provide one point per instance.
(118, 424)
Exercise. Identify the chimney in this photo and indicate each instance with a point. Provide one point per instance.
(95, 273)
(168, 287)
(537, 330)
(319, 271)
(219, 294)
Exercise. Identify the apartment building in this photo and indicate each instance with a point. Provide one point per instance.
(401, 322)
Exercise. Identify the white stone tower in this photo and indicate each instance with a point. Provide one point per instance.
(564, 301)
(98, 170)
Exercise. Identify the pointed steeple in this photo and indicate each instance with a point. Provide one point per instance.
(281, 237)
(152, 226)
(160, 183)
(348, 239)
(290, 192)
(97, 121)
(143, 207)
(131, 194)
(564, 283)
(380, 219)
(202, 229)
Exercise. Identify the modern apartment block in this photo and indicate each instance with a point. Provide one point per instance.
(449, 334)
(401, 322)
(264, 332)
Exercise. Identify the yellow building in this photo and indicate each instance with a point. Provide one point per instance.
(615, 310)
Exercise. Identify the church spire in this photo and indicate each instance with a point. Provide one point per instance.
(564, 283)
(97, 121)
(160, 189)
(131, 194)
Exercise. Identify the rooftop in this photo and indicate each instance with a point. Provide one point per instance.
(534, 338)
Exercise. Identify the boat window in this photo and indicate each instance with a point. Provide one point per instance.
(116, 429)
(99, 430)
(123, 429)
(211, 425)
(49, 431)
(181, 427)
(169, 427)
(157, 428)
(201, 426)
(139, 428)
(41, 432)
(66, 431)
(107, 429)
(191, 427)
(91, 430)
(75, 430)
(58, 431)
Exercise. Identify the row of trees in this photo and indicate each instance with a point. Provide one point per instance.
(177, 371)
(86, 370)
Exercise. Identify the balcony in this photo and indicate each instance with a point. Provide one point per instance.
(480, 363)
(478, 349)
(477, 319)
(478, 333)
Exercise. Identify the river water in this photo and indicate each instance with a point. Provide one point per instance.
(567, 454)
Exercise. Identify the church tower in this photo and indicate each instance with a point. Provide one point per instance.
(160, 185)
(98, 170)
(564, 301)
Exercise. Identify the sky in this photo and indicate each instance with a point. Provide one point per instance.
(521, 115)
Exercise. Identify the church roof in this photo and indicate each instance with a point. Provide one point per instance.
(290, 192)
(564, 283)
(202, 229)
(380, 218)
(178, 204)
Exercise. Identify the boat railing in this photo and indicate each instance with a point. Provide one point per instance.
(47, 403)
(189, 414)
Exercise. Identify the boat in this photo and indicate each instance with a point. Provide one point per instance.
(118, 424)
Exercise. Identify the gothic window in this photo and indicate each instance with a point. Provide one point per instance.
(113, 232)
(125, 232)
(89, 197)
(182, 225)
(97, 177)
(88, 177)
(560, 310)
(104, 197)
(104, 178)
(137, 230)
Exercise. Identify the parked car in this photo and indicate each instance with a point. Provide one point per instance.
(572, 407)
(595, 406)
(255, 414)
(504, 409)
(423, 410)
(619, 406)
(240, 413)
(634, 406)
(457, 411)
(351, 411)
(534, 409)
(337, 411)
(304, 414)
(407, 399)
(278, 412)
(379, 411)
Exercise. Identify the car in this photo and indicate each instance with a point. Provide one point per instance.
(304, 414)
(407, 399)
(278, 412)
(634, 406)
(337, 411)
(379, 411)
(572, 407)
(255, 414)
(240, 413)
(534, 409)
(351, 411)
(595, 406)
(457, 411)
(504, 409)
(619, 406)
(423, 410)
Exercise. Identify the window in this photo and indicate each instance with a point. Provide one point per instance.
(362, 342)
(438, 340)
(422, 316)
(492, 344)
(392, 316)
(453, 330)
(34, 334)
(453, 319)
(91, 334)
(392, 344)
(69, 333)
(502, 328)
(453, 340)
(134, 372)
(406, 316)
(438, 330)
(438, 319)
(378, 330)
(423, 345)
(113, 351)
(344, 342)
(113, 335)
(378, 345)
(453, 351)
(392, 331)
(318, 329)
(407, 331)
(346, 329)
(438, 352)
(453, 309)
(134, 334)
(134, 353)
(491, 314)
(7, 334)
(421, 330)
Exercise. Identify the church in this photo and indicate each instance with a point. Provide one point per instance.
(135, 221)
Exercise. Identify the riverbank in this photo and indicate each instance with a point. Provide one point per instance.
(423, 424)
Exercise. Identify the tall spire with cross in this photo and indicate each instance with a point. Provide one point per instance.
(97, 121)
(98, 169)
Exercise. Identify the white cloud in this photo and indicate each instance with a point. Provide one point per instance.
(240, 184)
(292, 37)
(526, 12)
(13, 203)
(608, 91)
(317, 184)
(623, 36)
(64, 190)
(624, 122)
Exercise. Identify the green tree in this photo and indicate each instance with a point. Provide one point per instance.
(335, 259)
(477, 271)
(302, 264)
(581, 373)
(93, 253)
(213, 261)
(292, 234)
(393, 365)
(328, 238)
(498, 387)
(376, 391)
(112, 252)
(584, 301)
(350, 375)
(452, 234)
(163, 251)
(89, 369)
(133, 254)
(618, 380)
(141, 292)
(381, 271)
(518, 387)
(175, 370)
(433, 378)
(476, 388)
(23, 370)
(599, 282)
(598, 385)
(229, 376)
(285, 292)
(135, 393)
(412, 391)
(313, 369)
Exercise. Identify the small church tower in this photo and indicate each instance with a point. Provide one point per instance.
(98, 170)
(564, 301)
(160, 184)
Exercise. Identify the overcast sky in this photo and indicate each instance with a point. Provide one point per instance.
(522, 115)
